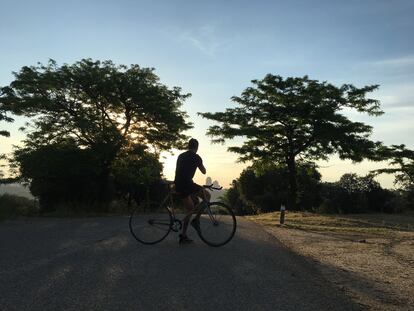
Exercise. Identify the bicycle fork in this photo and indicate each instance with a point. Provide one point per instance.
(210, 214)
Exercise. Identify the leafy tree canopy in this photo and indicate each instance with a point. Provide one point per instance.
(134, 172)
(98, 104)
(402, 165)
(4, 117)
(297, 117)
(353, 183)
(262, 187)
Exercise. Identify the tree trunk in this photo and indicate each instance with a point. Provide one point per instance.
(147, 197)
(291, 164)
(104, 191)
(129, 198)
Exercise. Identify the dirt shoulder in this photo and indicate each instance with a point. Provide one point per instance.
(370, 257)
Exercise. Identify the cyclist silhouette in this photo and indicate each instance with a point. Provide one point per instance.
(187, 164)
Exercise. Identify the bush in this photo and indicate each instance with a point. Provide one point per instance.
(61, 174)
(267, 202)
(382, 200)
(335, 199)
(396, 204)
(326, 207)
(263, 187)
(232, 197)
(409, 197)
(12, 206)
(67, 179)
(137, 177)
(339, 200)
(354, 194)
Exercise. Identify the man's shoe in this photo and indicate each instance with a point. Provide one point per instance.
(184, 239)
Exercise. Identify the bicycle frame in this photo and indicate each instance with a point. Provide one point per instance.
(169, 199)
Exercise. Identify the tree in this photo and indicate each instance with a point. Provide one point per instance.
(402, 166)
(262, 188)
(4, 117)
(356, 194)
(99, 106)
(135, 171)
(97, 103)
(60, 174)
(232, 197)
(402, 160)
(283, 120)
(353, 183)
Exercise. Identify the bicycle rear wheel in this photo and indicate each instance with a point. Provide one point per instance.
(150, 226)
(217, 224)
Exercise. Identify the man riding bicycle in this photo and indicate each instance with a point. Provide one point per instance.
(187, 164)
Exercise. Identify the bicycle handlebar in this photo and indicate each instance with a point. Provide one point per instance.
(169, 182)
(212, 188)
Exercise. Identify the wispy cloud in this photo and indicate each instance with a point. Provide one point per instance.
(205, 39)
(397, 96)
(398, 67)
(388, 71)
(405, 61)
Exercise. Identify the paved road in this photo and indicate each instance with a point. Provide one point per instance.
(94, 264)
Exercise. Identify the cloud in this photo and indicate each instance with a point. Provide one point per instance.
(390, 68)
(405, 61)
(395, 77)
(397, 95)
(204, 38)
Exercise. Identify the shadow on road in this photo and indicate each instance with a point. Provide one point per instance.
(91, 264)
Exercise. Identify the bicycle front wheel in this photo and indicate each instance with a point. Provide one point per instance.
(150, 227)
(217, 224)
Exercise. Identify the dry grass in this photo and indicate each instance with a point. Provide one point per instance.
(368, 224)
(368, 256)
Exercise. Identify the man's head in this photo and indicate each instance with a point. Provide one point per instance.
(193, 144)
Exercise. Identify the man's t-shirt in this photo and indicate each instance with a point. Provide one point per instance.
(187, 164)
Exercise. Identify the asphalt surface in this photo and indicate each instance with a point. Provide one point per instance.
(95, 264)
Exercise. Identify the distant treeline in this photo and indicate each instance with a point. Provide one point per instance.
(263, 188)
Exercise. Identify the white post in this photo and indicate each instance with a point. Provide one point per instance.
(282, 214)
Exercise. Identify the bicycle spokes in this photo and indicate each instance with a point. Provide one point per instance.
(217, 224)
(156, 222)
(212, 216)
(150, 228)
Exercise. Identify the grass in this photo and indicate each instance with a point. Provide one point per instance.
(12, 206)
(372, 224)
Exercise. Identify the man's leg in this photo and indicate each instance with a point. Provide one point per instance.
(204, 195)
(189, 205)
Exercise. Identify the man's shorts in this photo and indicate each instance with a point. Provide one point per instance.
(184, 190)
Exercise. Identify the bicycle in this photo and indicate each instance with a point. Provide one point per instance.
(215, 222)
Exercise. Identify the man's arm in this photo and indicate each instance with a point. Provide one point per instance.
(201, 166)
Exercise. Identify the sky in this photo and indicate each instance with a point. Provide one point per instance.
(213, 49)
